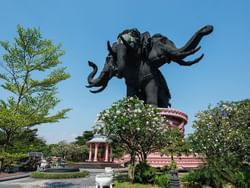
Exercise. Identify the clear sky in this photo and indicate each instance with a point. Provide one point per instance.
(83, 28)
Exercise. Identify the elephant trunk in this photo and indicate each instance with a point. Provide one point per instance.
(178, 54)
(100, 81)
(196, 38)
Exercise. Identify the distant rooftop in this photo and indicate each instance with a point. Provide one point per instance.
(35, 154)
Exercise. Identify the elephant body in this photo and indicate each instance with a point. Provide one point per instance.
(137, 57)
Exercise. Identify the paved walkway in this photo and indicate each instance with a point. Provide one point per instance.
(87, 182)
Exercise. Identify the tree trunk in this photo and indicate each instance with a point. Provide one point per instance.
(144, 158)
(1, 165)
(7, 140)
(172, 157)
(131, 169)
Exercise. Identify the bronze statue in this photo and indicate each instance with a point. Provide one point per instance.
(136, 57)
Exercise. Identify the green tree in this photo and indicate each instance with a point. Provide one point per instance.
(177, 144)
(86, 136)
(27, 140)
(222, 136)
(138, 128)
(69, 151)
(30, 74)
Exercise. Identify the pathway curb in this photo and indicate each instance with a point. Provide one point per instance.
(14, 177)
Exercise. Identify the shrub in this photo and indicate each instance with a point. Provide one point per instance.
(163, 180)
(144, 173)
(242, 179)
(215, 177)
(49, 175)
(122, 178)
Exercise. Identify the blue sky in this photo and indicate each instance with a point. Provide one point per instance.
(83, 28)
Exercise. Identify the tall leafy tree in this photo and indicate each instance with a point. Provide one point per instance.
(29, 73)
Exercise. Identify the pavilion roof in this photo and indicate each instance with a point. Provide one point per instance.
(99, 139)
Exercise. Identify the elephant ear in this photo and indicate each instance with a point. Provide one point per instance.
(163, 40)
(158, 53)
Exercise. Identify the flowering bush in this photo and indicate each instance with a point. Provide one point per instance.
(224, 131)
(137, 127)
(222, 135)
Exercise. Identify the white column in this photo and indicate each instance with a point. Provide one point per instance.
(106, 152)
(96, 151)
(110, 154)
(90, 152)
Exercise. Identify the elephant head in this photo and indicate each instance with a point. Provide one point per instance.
(109, 70)
(164, 50)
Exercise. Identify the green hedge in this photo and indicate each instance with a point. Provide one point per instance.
(135, 185)
(49, 175)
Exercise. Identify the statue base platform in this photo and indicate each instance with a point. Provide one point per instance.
(175, 118)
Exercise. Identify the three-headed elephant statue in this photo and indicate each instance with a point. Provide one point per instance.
(136, 57)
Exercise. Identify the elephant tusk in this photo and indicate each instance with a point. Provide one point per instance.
(99, 90)
(188, 63)
(183, 54)
(110, 49)
(89, 86)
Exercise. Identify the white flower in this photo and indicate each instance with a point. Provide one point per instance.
(138, 128)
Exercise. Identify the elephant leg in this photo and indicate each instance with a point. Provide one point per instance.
(135, 91)
(163, 99)
(131, 91)
(151, 92)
